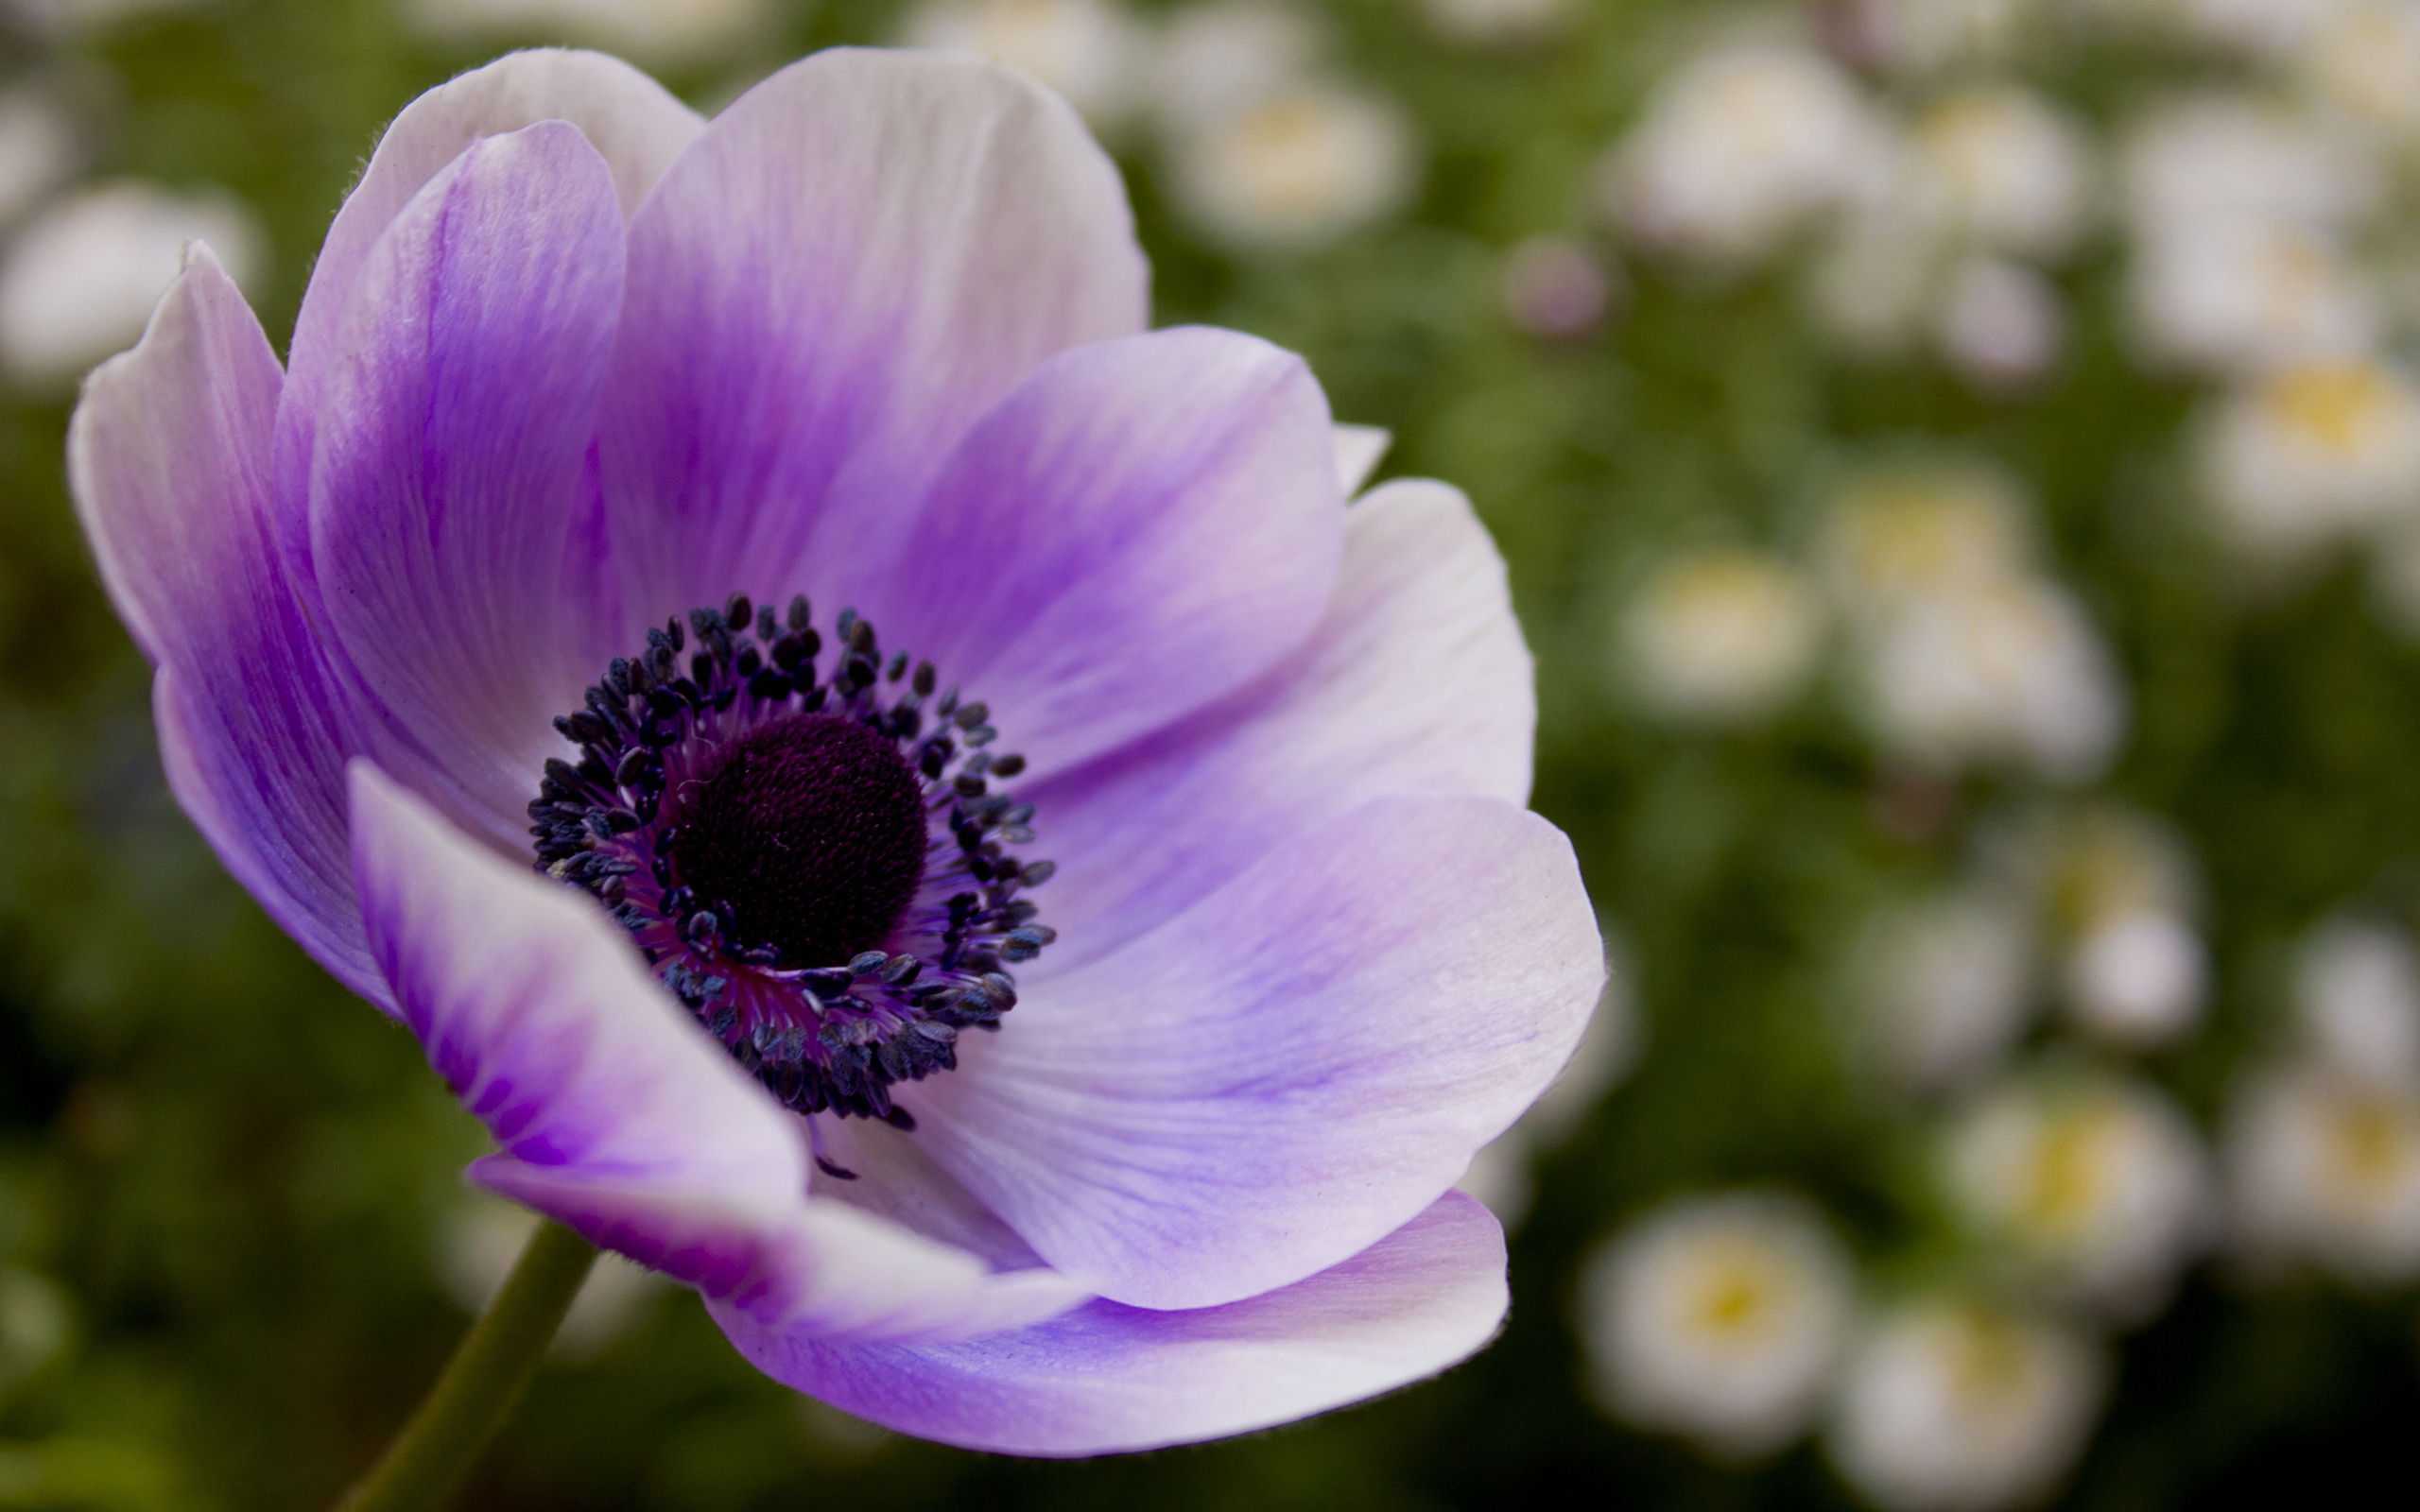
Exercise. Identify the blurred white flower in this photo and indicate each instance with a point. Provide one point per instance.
(2095, 1190)
(481, 1237)
(2312, 454)
(662, 31)
(1720, 636)
(1919, 36)
(1738, 150)
(1296, 167)
(2233, 296)
(1945, 985)
(2011, 673)
(1952, 1407)
(1558, 286)
(2115, 891)
(2263, 29)
(2324, 1168)
(2002, 169)
(1214, 59)
(2356, 999)
(1089, 51)
(2363, 60)
(1500, 1175)
(1718, 1318)
(2238, 209)
(1499, 22)
(79, 280)
(2000, 325)
(2137, 980)
(2198, 160)
(1892, 538)
(38, 149)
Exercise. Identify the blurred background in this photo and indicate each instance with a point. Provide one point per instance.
(1959, 464)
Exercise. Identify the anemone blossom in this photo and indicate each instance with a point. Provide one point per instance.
(517, 649)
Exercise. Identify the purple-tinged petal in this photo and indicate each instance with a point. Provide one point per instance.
(630, 119)
(861, 256)
(446, 489)
(619, 1117)
(169, 459)
(536, 1011)
(821, 1269)
(1416, 681)
(1140, 527)
(1290, 1069)
(1358, 450)
(1108, 1377)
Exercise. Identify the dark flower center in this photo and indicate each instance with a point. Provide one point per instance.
(812, 830)
(815, 859)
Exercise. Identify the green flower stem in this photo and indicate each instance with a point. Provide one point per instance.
(483, 1381)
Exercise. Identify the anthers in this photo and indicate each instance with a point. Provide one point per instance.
(822, 868)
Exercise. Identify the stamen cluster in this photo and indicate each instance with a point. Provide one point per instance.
(822, 1034)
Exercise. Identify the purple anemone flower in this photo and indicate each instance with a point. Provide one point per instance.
(903, 798)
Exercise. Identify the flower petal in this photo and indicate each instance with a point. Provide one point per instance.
(1358, 451)
(630, 119)
(811, 328)
(1141, 526)
(446, 492)
(538, 1013)
(1290, 1069)
(1107, 1378)
(620, 1117)
(169, 459)
(1417, 680)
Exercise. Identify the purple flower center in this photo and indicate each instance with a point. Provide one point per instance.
(812, 828)
(819, 867)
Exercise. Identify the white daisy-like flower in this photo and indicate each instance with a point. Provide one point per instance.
(2364, 62)
(2093, 1188)
(2356, 999)
(2262, 29)
(2200, 159)
(2117, 893)
(1951, 1407)
(1214, 59)
(2240, 296)
(2325, 1169)
(1295, 167)
(2000, 325)
(1090, 52)
(1738, 150)
(665, 31)
(1922, 36)
(2138, 980)
(1720, 636)
(79, 279)
(2311, 453)
(2012, 673)
(2004, 169)
(1944, 986)
(1499, 22)
(1719, 1318)
(1898, 536)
